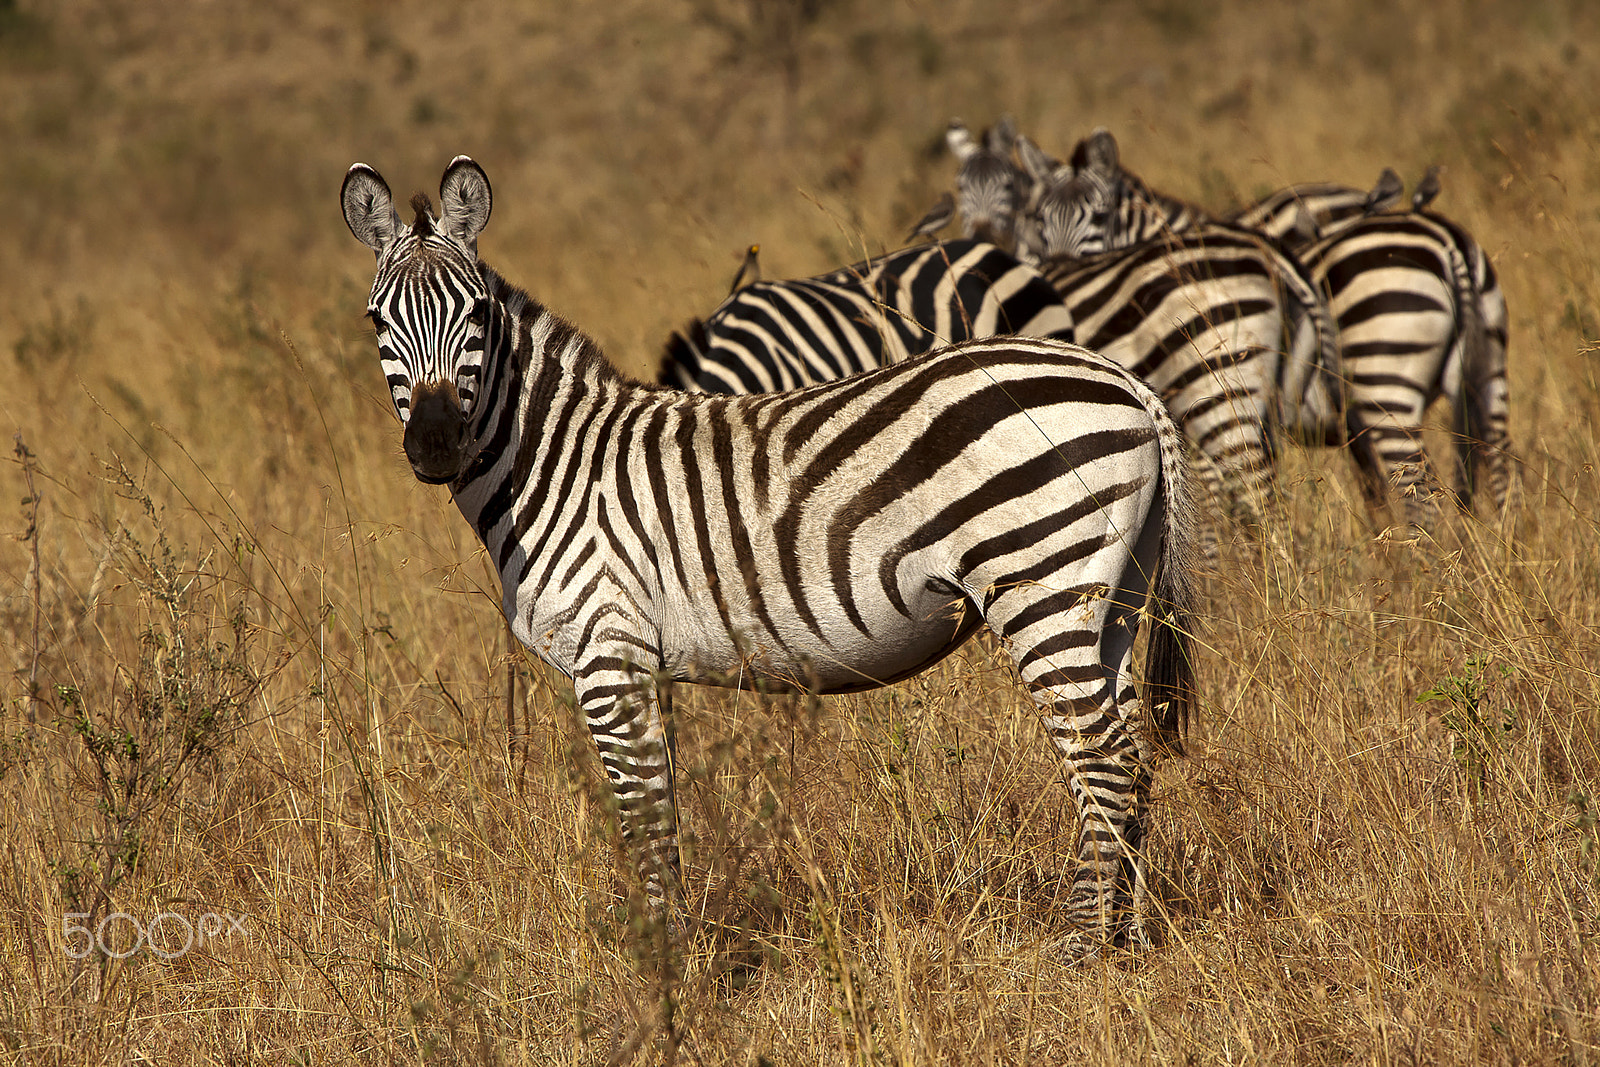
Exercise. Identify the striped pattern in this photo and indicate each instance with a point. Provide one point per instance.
(1429, 321)
(1420, 317)
(1230, 334)
(833, 539)
(771, 336)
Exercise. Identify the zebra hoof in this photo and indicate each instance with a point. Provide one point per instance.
(1082, 947)
(1078, 949)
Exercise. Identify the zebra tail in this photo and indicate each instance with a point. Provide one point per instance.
(1327, 371)
(681, 357)
(1482, 363)
(1170, 690)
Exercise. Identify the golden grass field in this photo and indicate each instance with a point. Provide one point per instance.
(257, 672)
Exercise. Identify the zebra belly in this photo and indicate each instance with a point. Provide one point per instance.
(841, 659)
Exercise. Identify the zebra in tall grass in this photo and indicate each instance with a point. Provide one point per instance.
(1419, 312)
(785, 334)
(831, 539)
(1221, 321)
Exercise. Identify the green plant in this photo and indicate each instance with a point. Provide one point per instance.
(164, 718)
(1479, 738)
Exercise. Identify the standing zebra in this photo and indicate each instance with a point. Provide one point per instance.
(1418, 308)
(832, 539)
(785, 334)
(1221, 321)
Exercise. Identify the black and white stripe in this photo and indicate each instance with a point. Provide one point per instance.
(778, 335)
(1421, 317)
(1228, 331)
(833, 538)
(1419, 314)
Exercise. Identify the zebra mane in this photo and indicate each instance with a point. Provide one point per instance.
(422, 225)
(560, 339)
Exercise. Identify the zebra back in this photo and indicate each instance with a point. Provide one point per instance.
(779, 335)
(1299, 214)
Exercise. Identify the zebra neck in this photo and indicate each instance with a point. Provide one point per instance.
(545, 381)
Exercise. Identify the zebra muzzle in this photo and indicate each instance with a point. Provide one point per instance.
(436, 433)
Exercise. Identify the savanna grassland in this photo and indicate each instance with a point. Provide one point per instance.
(259, 690)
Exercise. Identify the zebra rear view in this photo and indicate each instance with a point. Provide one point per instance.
(832, 539)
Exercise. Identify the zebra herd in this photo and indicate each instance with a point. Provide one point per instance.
(838, 479)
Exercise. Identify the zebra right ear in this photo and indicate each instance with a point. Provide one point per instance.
(369, 208)
(464, 200)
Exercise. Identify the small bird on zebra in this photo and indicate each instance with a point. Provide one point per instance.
(830, 539)
(940, 215)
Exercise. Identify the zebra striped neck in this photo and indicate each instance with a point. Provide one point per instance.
(538, 365)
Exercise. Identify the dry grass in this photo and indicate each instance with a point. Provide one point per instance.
(257, 671)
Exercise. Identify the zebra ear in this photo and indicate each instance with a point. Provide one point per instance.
(1002, 136)
(1098, 154)
(464, 200)
(1039, 165)
(369, 208)
(960, 140)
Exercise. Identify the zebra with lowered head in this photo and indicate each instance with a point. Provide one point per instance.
(831, 539)
(785, 334)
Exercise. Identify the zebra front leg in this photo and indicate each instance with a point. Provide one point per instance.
(626, 714)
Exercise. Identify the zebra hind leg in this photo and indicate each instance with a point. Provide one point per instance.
(1073, 648)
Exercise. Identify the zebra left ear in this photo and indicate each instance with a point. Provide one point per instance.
(464, 200)
(959, 138)
(1038, 163)
(1098, 153)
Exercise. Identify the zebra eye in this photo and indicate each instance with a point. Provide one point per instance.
(479, 313)
(377, 321)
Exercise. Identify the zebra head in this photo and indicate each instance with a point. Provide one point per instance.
(990, 190)
(1073, 208)
(430, 306)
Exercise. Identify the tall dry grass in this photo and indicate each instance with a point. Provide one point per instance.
(258, 672)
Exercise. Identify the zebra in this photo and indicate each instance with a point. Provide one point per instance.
(1222, 321)
(830, 539)
(990, 189)
(785, 334)
(1421, 316)
(1427, 319)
